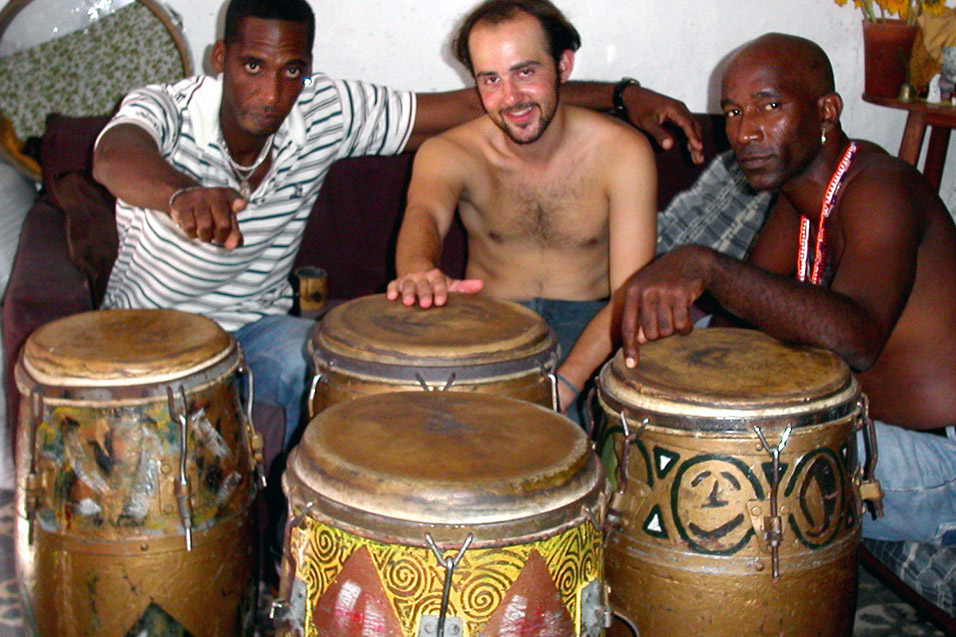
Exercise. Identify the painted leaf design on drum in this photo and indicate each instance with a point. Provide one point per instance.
(820, 487)
(115, 463)
(532, 606)
(708, 501)
(355, 604)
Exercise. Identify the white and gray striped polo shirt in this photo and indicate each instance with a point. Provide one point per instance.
(159, 267)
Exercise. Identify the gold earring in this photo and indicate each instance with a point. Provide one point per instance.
(823, 136)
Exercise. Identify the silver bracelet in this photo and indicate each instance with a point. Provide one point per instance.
(180, 192)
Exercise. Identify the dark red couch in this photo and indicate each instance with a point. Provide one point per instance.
(68, 241)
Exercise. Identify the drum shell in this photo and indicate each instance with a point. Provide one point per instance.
(518, 362)
(692, 477)
(326, 537)
(100, 542)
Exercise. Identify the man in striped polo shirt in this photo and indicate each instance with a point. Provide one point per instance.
(215, 177)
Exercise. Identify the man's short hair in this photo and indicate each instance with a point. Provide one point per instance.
(560, 33)
(289, 10)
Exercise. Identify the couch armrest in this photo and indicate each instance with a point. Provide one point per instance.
(44, 285)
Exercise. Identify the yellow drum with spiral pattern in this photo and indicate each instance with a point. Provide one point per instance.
(411, 511)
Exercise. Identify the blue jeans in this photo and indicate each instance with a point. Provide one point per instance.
(568, 319)
(275, 351)
(917, 472)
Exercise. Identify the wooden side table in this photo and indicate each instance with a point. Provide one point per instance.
(920, 115)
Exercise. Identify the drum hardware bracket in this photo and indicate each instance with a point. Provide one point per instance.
(182, 484)
(291, 609)
(589, 412)
(449, 563)
(33, 486)
(629, 439)
(867, 485)
(595, 612)
(772, 524)
(447, 386)
(253, 438)
(313, 386)
(555, 399)
(429, 627)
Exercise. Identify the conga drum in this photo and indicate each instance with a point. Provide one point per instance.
(412, 513)
(473, 343)
(736, 509)
(136, 468)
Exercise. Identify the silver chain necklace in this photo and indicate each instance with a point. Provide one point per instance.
(243, 173)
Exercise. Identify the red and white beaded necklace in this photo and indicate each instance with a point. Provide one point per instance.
(829, 198)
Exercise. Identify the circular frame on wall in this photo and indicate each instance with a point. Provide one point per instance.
(81, 69)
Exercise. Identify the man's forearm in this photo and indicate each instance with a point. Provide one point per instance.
(796, 312)
(419, 245)
(127, 162)
(592, 348)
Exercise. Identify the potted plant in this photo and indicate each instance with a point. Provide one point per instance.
(889, 30)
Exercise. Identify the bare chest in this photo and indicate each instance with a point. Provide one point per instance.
(548, 211)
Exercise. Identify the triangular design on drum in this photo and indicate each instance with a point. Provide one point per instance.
(664, 461)
(654, 524)
(768, 471)
(156, 622)
(532, 606)
(355, 603)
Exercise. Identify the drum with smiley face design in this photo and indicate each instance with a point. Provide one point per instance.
(735, 464)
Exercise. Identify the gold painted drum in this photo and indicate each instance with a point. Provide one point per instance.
(473, 343)
(136, 469)
(736, 510)
(412, 509)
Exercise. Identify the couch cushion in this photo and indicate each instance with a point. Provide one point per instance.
(66, 153)
(91, 234)
(67, 145)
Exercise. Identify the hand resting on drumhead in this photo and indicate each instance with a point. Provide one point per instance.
(429, 287)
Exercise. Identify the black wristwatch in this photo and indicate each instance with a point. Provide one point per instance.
(618, 96)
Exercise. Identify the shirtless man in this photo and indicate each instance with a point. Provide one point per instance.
(559, 202)
(882, 294)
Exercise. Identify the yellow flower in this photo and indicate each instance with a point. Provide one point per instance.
(907, 10)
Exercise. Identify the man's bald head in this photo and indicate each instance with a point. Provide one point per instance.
(802, 63)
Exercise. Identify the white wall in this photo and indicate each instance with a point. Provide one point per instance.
(670, 45)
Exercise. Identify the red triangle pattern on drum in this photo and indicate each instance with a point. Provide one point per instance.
(532, 606)
(355, 603)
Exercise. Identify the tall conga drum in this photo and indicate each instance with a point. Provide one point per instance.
(136, 471)
(412, 513)
(472, 343)
(735, 466)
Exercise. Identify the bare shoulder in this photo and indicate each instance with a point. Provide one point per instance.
(605, 129)
(881, 184)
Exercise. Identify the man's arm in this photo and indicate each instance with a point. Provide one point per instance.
(632, 229)
(438, 178)
(853, 318)
(437, 112)
(127, 161)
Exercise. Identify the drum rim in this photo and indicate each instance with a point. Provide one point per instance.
(489, 533)
(694, 417)
(325, 360)
(363, 354)
(145, 378)
(320, 471)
